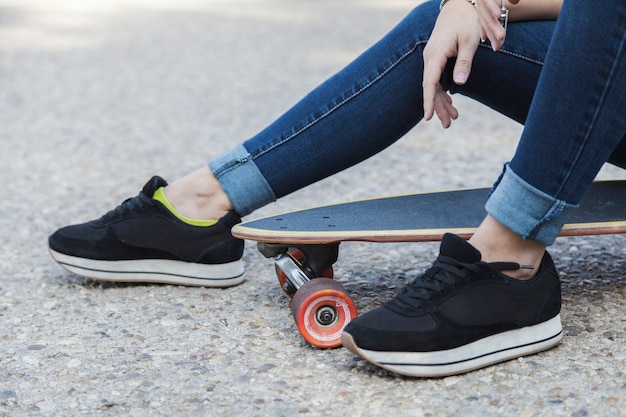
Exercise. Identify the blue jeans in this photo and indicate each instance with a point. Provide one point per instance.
(576, 123)
(376, 99)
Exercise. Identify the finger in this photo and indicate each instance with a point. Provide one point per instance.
(463, 65)
(446, 112)
(442, 114)
(489, 19)
(429, 100)
(461, 71)
(433, 68)
(450, 109)
(497, 35)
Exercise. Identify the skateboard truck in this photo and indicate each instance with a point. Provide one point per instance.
(320, 306)
(293, 270)
(300, 263)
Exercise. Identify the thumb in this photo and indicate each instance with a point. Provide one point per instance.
(462, 68)
(463, 64)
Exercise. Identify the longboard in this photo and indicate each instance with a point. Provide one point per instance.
(304, 243)
(424, 217)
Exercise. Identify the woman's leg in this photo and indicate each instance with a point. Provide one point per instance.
(576, 123)
(465, 313)
(355, 114)
(369, 105)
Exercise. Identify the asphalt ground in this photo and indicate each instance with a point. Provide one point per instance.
(97, 96)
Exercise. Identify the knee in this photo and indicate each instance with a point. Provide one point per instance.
(421, 20)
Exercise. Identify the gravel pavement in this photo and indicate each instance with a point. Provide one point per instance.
(97, 96)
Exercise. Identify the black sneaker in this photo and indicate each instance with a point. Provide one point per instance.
(142, 241)
(461, 314)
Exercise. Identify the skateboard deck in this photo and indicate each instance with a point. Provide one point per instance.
(305, 243)
(424, 217)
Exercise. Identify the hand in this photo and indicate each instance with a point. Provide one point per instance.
(490, 25)
(456, 34)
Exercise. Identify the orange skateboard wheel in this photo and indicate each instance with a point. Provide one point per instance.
(322, 308)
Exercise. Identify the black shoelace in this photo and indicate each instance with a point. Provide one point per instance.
(128, 206)
(446, 272)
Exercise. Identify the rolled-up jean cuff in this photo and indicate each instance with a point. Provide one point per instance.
(526, 210)
(242, 181)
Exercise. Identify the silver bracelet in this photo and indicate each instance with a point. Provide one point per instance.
(504, 12)
(504, 15)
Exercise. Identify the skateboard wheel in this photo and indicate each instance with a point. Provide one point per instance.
(322, 308)
(286, 286)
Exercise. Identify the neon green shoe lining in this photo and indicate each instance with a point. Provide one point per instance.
(159, 195)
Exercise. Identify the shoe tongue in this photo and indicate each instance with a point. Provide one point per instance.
(152, 185)
(454, 247)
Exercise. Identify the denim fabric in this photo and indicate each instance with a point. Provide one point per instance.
(242, 181)
(525, 209)
(370, 104)
(575, 124)
(376, 99)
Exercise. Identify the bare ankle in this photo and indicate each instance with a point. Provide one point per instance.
(497, 243)
(199, 195)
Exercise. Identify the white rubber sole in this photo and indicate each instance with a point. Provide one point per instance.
(479, 354)
(161, 271)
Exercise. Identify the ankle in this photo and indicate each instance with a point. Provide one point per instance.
(199, 195)
(498, 243)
